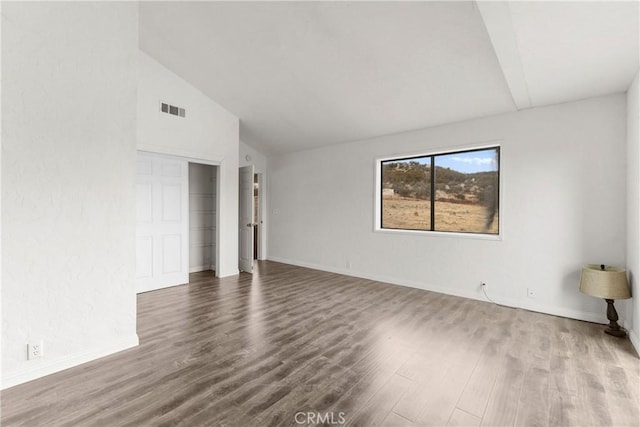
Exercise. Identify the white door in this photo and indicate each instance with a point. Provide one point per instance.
(162, 228)
(246, 222)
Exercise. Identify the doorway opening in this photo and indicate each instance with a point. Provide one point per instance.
(203, 200)
(251, 214)
(256, 217)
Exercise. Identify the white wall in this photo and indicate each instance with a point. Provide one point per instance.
(202, 230)
(208, 133)
(563, 205)
(633, 211)
(68, 173)
(1, 316)
(259, 162)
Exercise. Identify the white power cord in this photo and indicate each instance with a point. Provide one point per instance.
(484, 291)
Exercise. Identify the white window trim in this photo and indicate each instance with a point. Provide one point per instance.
(377, 208)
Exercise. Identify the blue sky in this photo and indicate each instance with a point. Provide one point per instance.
(469, 162)
(474, 161)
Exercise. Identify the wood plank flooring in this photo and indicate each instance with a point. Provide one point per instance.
(290, 346)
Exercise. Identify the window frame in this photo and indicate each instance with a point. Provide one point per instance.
(378, 205)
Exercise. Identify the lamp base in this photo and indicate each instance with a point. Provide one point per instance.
(615, 332)
(613, 328)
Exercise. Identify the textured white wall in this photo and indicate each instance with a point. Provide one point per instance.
(68, 169)
(1, 314)
(208, 132)
(563, 205)
(633, 208)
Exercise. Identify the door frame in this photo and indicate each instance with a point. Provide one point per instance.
(246, 204)
(217, 199)
(261, 213)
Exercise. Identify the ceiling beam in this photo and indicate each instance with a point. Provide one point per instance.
(497, 21)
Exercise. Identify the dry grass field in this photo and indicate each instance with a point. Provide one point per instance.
(414, 214)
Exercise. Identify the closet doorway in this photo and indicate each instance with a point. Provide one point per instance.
(176, 219)
(202, 217)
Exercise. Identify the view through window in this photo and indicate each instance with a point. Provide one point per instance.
(450, 192)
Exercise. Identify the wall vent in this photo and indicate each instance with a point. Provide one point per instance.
(172, 109)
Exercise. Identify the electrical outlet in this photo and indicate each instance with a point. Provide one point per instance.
(34, 350)
(530, 293)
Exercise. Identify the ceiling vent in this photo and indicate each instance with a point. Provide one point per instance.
(172, 109)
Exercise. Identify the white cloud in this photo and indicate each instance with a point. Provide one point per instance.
(475, 160)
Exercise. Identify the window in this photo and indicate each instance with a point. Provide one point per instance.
(446, 192)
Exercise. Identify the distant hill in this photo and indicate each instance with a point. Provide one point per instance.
(413, 179)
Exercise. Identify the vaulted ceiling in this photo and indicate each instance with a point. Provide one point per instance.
(306, 74)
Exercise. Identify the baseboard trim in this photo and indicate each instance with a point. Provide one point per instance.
(635, 341)
(52, 366)
(525, 305)
(565, 312)
(200, 268)
(222, 275)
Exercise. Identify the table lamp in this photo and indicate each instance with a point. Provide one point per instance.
(609, 283)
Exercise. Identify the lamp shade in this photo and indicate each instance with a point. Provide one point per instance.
(610, 283)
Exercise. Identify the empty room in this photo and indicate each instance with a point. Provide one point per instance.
(236, 213)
